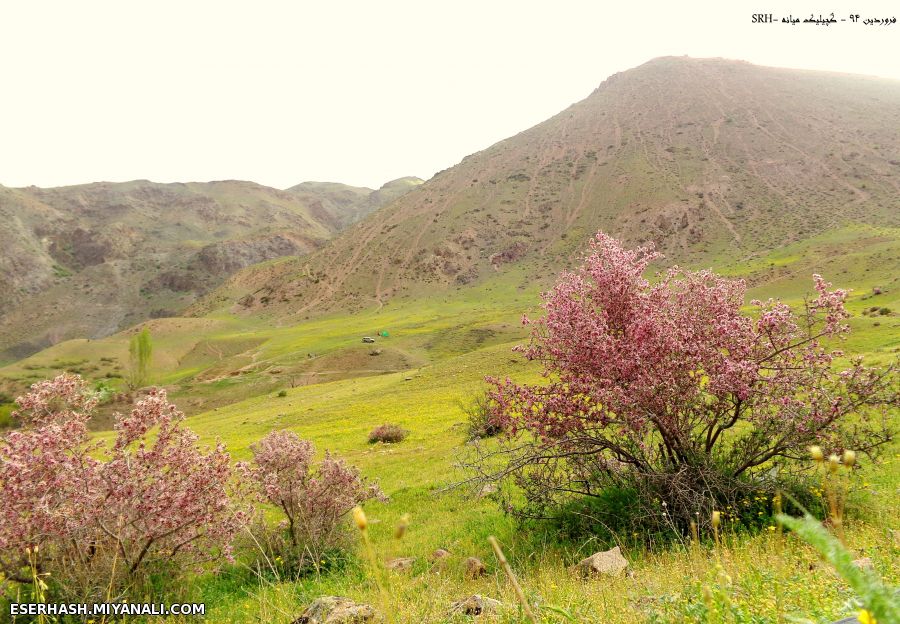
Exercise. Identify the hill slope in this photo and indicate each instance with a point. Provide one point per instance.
(341, 205)
(713, 160)
(85, 261)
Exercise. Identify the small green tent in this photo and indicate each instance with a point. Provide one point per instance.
(383, 334)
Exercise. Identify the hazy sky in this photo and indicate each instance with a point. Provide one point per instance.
(359, 92)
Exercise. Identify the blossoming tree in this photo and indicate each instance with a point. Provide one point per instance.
(98, 518)
(671, 388)
(315, 500)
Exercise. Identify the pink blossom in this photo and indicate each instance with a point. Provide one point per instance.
(670, 374)
(147, 499)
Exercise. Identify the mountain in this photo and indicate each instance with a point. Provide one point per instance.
(341, 205)
(88, 260)
(713, 160)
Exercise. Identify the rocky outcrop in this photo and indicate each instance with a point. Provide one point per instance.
(400, 564)
(474, 568)
(336, 610)
(606, 563)
(227, 257)
(475, 605)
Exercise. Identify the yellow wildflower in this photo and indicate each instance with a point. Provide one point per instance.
(866, 618)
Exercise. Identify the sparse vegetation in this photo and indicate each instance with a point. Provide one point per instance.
(481, 422)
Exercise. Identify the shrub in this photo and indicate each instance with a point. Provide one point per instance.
(282, 394)
(103, 390)
(388, 434)
(480, 421)
(315, 501)
(668, 389)
(100, 520)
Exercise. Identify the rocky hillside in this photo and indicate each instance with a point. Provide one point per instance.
(708, 158)
(340, 205)
(85, 261)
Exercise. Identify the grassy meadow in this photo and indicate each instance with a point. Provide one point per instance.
(227, 371)
(756, 576)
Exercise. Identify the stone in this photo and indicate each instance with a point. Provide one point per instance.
(864, 563)
(608, 562)
(487, 490)
(439, 554)
(474, 568)
(439, 559)
(400, 564)
(336, 610)
(476, 605)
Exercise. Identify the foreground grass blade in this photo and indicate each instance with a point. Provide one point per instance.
(878, 599)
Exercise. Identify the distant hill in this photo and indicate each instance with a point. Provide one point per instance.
(341, 205)
(86, 261)
(713, 160)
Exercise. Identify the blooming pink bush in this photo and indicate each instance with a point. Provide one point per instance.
(670, 387)
(47, 477)
(314, 500)
(105, 517)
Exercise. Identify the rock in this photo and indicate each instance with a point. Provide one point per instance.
(487, 490)
(476, 605)
(864, 563)
(608, 562)
(474, 568)
(336, 610)
(849, 620)
(400, 564)
(439, 559)
(439, 554)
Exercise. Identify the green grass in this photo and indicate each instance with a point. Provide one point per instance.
(758, 576)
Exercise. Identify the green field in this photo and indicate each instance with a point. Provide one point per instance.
(767, 574)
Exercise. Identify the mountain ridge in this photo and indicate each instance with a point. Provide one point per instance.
(703, 157)
(87, 260)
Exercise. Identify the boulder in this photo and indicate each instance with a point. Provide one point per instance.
(400, 564)
(474, 568)
(864, 563)
(475, 605)
(336, 610)
(608, 562)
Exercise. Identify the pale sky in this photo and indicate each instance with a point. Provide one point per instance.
(279, 92)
